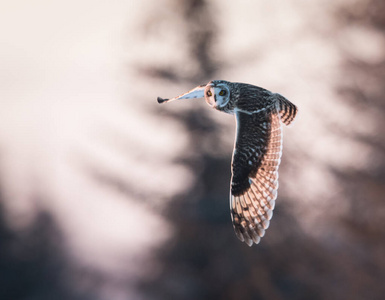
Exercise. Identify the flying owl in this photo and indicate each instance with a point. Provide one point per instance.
(257, 151)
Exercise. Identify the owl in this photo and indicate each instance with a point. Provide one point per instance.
(257, 152)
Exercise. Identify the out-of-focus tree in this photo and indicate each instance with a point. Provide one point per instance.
(106, 195)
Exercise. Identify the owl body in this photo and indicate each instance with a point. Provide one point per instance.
(259, 114)
(239, 96)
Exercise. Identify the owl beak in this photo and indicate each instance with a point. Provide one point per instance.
(198, 92)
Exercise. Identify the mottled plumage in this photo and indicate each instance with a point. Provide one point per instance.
(257, 151)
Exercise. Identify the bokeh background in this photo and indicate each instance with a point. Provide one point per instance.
(105, 195)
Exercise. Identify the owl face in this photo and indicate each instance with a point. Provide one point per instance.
(217, 94)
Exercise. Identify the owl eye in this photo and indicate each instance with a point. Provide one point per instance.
(209, 93)
(222, 93)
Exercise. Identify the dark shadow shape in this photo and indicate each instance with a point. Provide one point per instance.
(33, 263)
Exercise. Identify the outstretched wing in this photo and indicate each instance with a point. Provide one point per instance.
(254, 182)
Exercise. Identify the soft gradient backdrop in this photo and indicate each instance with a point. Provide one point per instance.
(105, 195)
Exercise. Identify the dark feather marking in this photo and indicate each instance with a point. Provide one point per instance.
(248, 138)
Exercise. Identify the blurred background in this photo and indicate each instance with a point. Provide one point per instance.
(106, 195)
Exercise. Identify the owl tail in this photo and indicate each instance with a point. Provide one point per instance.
(287, 110)
(198, 92)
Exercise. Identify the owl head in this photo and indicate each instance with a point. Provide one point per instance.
(217, 94)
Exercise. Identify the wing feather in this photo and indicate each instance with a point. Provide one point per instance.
(256, 157)
(287, 110)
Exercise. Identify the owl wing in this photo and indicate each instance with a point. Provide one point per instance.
(254, 182)
(287, 110)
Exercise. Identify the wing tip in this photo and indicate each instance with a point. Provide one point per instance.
(161, 100)
(250, 216)
(249, 237)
